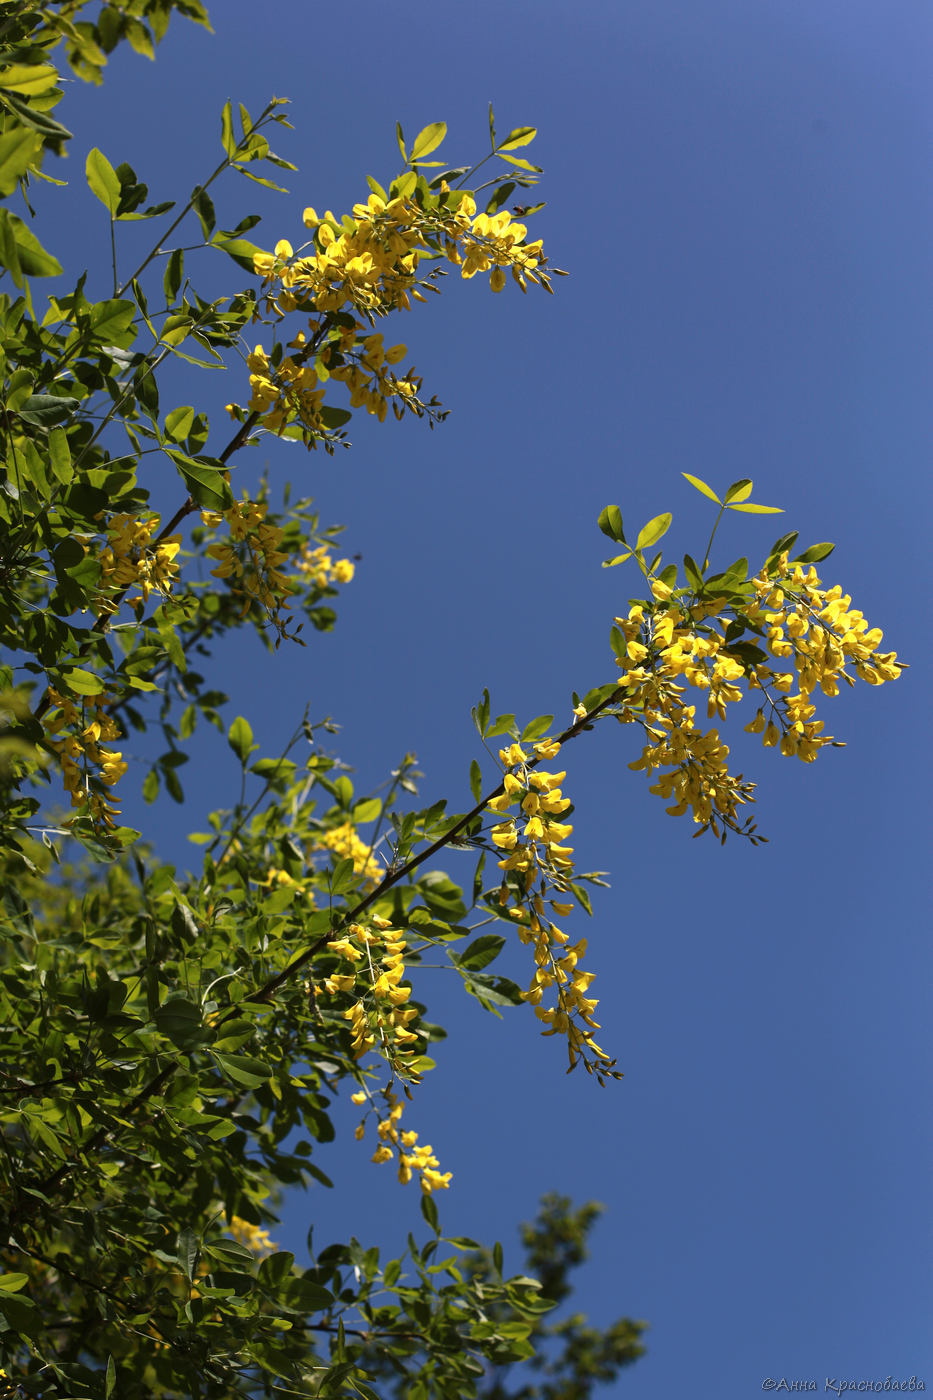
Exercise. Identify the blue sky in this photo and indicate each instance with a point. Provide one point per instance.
(741, 194)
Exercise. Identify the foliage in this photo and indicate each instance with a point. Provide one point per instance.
(173, 1043)
(570, 1356)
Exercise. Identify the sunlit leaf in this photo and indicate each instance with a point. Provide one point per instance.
(427, 141)
(702, 487)
(650, 534)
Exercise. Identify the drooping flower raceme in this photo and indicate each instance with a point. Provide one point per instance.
(79, 730)
(368, 983)
(536, 865)
(134, 557)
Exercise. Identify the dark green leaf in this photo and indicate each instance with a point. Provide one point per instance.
(243, 1069)
(610, 522)
(480, 952)
(46, 409)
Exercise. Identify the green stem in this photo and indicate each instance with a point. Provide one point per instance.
(712, 537)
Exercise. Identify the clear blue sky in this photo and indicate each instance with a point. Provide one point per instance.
(741, 193)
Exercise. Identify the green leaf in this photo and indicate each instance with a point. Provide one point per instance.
(103, 180)
(480, 952)
(276, 1267)
(179, 422)
(618, 559)
(303, 1293)
(495, 991)
(536, 727)
(140, 41)
(476, 780)
(399, 136)
(240, 738)
(427, 141)
(110, 1382)
(815, 553)
(521, 136)
(739, 490)
(502, 724)
(12, 1283)
(19, 149)
(174, 271)
(239, 249)
(610, 522)
(519, 162)
(480, 714)
(203, 206)
(112, 322)
(21, 1314)
(46, 409)
(181, 1022)
(227, 138)
(60, 456)
(343, 875)
(368, 810)
(28, 79)
(693, 572)
(429, 1211)
(243, 1069)
(21, 251)
(702, 487)
(205, 483)
(650, 534)
(187, 1249)
(759, 510)
(83, 682)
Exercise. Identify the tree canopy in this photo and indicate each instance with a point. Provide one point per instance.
(173, 1042)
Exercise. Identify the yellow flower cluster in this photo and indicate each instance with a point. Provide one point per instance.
(130, 559)
(821, 633)
(374, 962)
(368, 375)
(368, 264)
(252, 557)
(411, 1157)
(382, 1018)
(316, 565)
(658, 649)
(661, 643)
(344, 842)
(292, 393)
(533, 843)
(79, 737)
